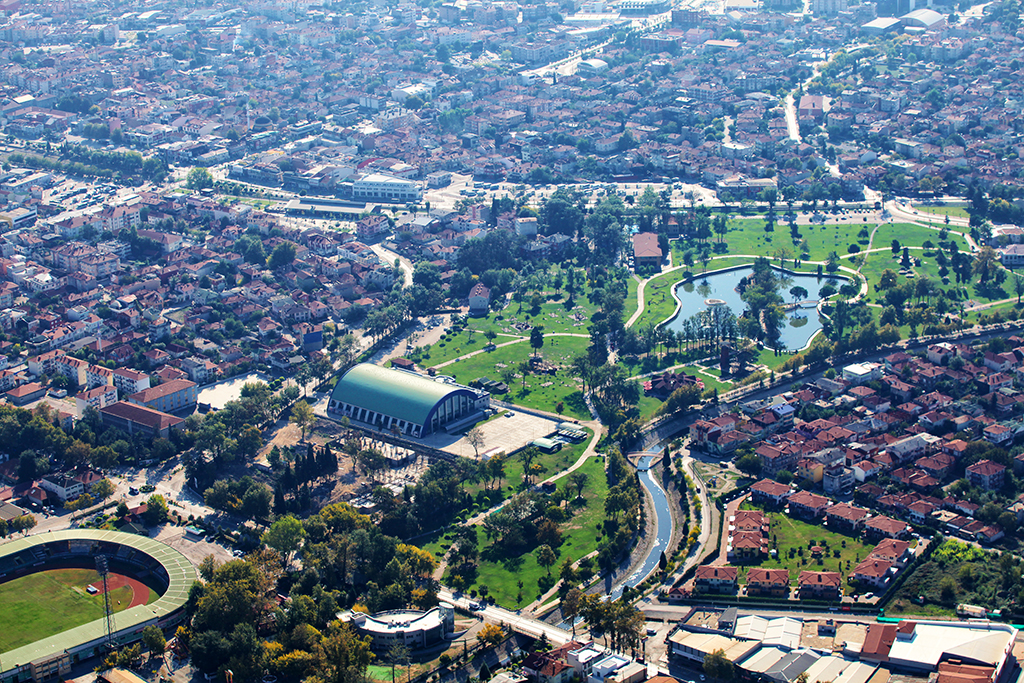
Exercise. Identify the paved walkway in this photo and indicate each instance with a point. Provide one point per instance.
(708, 515)
(591, 450)
(517, 340)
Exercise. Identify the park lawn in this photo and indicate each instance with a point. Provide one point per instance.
(659, 304)
(632, 302)
(378, 672)
(747, 236)
(715, 381)
(788, 533)
(648, 406)
(1009, 309)
(943, 211)
(552, 315)
(454, 345)
(768, 358)
(557, 350)
(50, 602)
(642, 365)
(436, 543)
(579, 538)
(911, 235)
(877, 262)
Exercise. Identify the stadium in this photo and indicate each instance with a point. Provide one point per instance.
(59, 585)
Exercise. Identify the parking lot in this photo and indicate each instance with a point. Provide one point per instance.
(501, 434)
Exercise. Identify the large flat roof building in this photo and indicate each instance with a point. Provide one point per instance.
(380, 187)
(414, 404)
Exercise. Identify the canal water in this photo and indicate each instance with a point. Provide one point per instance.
(663, 530)
(800, 324)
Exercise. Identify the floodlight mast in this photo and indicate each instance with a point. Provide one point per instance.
(103, 570)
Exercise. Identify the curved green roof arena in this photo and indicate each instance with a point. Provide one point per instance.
(415, 404)
(137, 554)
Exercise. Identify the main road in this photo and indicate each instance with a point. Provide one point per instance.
(517, 622)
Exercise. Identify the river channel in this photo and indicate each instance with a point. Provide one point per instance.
(663, 528)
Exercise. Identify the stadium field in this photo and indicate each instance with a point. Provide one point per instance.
(52, 601)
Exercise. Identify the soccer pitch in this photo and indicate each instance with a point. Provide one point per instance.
(52, 601)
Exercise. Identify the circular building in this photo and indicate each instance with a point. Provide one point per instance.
(150, 561)
(412, 628)
(415, 404)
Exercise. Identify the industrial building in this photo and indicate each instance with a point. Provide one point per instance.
(780, 650)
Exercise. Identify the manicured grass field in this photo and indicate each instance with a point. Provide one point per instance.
(378, 672)
(631, 301)
(557, 350)
(911, 235)
(770, 360)
(579, 538)
(454, 345)
(659, 303)
(943, 211)
(747, 236)
(879, 261)
(792, 534)
(41, 605)
(553, 315)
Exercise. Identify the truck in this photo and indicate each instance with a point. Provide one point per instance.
(971, 611)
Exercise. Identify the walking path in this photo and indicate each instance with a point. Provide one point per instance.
(517, 340)
(711, 521)
(591, 450)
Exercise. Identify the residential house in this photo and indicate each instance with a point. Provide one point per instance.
(820, 585)
(761, 581)
(839, 480)
(873, 571)
(884, 526)
(846, 518)
(716, 579)
(892, 550)
(807, 505)
(986, 474)
(749, 531)
(769, 491)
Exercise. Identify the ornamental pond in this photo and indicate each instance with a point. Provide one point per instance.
(714, 288)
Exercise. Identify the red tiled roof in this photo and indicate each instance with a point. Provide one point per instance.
(717, 573)
(773, 577)
(879, 640)
(830, 579)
